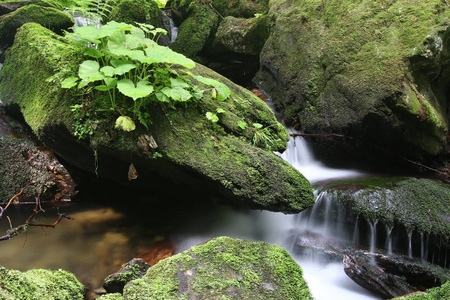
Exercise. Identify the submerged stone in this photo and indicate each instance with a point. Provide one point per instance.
(134, 269)
(220, 159)
(223, 267)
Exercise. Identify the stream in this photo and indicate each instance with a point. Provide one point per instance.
(102, 237)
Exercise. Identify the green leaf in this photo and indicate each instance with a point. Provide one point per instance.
(125, 123)
(69, 82)
(161, 54)
(214, 93)
(212, 117)
(219, 110)
(89, 71)
(177, 93)
(174, 82)
(162, 97)
(122, 66)
(127, 87)
(108, 71)
(223, 92)
(257, 126)
(110, 84)
(242, 124)
(92, 52)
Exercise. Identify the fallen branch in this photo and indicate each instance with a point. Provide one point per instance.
(10, 200)
(375, 146)
(14, 231)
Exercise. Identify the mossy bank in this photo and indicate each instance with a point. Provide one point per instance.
(218, 158)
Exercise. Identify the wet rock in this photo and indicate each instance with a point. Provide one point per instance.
(331, 68)
(374, 279)
(224, 267)
(134, 269)
(50, 17)
(23, 164)
(238, 35)
(392, 276)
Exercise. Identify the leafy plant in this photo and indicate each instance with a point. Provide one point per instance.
(90, 9)
(213, 116)
(127, 59)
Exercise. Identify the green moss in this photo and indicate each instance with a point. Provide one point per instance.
(350, 62)
(49, 17)
(418, 204)
(48, 59)
(226, 268)
(195, 30)
(39, 284)
(141, 11)
(438, 293)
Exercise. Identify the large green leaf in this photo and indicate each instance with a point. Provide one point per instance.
(127, 87)
(122, 66)
(223, 92)
(89, 71)
(160, 54)
(177, 93)
(69, 82)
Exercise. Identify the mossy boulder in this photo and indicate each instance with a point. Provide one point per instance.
(420, 205)
(40, 284)
(134, 269)
(49, 17)
(9, 6)
(194, 32)
(372, 70)
(223, 267)
(199, 22)
(141, 11)
(218, 158)
(239, 35)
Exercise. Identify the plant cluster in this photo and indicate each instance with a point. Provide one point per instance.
(127, 59)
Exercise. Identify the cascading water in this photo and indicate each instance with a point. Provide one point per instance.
(173, 31)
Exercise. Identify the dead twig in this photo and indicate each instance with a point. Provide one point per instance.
(2, 210)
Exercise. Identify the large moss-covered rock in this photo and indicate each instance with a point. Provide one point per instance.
(141, 11)
(39, 284)
(223, 267)
(239, 35)
(199, 21)
(49, 17)
(373, 70)
(218, 158)
(198, 27)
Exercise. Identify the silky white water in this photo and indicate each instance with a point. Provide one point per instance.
(326, 280)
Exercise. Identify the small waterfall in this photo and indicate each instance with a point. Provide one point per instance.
(389, 239)
(300, 156)
(373, 235)
(356, 232)
(410, 244)
(173, 31)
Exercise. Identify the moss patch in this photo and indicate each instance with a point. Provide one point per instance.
(142, 11)
(224, 268)
(40, 284)
(438, 293)
(49, 17)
